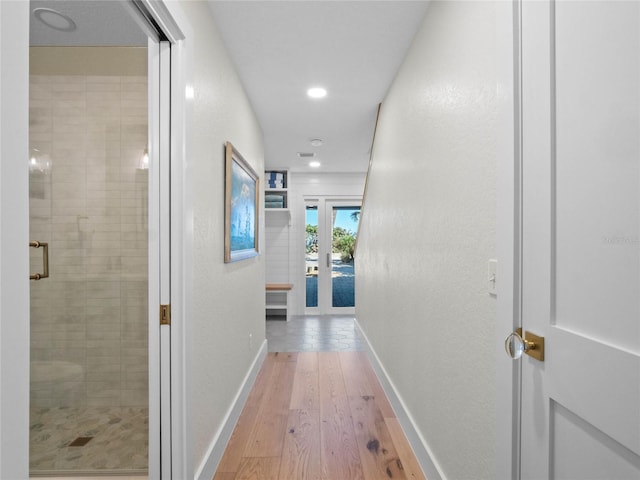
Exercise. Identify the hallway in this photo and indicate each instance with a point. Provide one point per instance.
(318, 415)
(472, 221)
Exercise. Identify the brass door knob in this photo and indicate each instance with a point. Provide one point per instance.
(516, 344)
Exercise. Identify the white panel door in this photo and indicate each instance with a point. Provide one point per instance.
(581, 239)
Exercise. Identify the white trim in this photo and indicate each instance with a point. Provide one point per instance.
(14, 238)
(154, 253)
(421, 449)
(181, 251)
(508, 238)
(164, 164)
(176, 27)
(208, 468)
(164, 18)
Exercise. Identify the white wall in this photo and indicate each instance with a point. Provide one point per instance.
(428, 229)
(228, 299)
(277, 246)
(14, 268)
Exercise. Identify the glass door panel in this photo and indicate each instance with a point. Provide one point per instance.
(344, 228)
(311, 256)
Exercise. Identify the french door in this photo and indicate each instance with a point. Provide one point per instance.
(580, 401)
(331, 231)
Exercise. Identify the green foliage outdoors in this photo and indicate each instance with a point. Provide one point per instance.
(344, 241)
(346, 245)
(339, 232)
(312, 239)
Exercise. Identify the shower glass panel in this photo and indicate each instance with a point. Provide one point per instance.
(89, 201)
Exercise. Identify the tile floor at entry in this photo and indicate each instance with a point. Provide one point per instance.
(314, 333)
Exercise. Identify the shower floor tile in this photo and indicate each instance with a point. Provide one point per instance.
(119, 439)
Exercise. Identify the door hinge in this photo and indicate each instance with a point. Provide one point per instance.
(165, 314)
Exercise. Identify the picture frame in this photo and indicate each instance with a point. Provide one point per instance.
(242, 190)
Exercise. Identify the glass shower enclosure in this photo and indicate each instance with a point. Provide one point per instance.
(88, 202)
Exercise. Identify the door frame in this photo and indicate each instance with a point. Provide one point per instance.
(176, 25)
(14, 256)
(329, 203)
(14, 235)
(169, 454)
(312, 201)
(509, 236)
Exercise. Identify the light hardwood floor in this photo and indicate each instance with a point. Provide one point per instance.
(318, 416)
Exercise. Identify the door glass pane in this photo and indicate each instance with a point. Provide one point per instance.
(89, 202)
(344, 230)
(311, 256)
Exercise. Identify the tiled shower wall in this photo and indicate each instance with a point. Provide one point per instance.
(88, 199)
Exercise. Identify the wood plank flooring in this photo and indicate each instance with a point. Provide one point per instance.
(318, 416)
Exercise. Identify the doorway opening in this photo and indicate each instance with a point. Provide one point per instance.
(93, 168)
(331, 229)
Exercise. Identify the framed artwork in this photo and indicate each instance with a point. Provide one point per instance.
(241, 207)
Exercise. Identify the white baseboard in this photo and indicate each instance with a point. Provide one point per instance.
(208, 467)
(420, 447)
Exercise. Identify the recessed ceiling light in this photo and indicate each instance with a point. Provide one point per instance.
(314, 164)
(54, 19)
(316, 142)
(317, 92)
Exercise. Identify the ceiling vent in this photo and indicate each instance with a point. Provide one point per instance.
(306, 154)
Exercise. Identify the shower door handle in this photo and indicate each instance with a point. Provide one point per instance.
(45, 260)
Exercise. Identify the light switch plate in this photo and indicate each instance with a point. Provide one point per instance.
(492, 278)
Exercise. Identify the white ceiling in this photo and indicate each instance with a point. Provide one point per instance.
(351, 48)
(98, 22)
(280, 49)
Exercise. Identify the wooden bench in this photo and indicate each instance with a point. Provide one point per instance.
(277, 300)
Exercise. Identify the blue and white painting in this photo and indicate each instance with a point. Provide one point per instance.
(243, 209)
